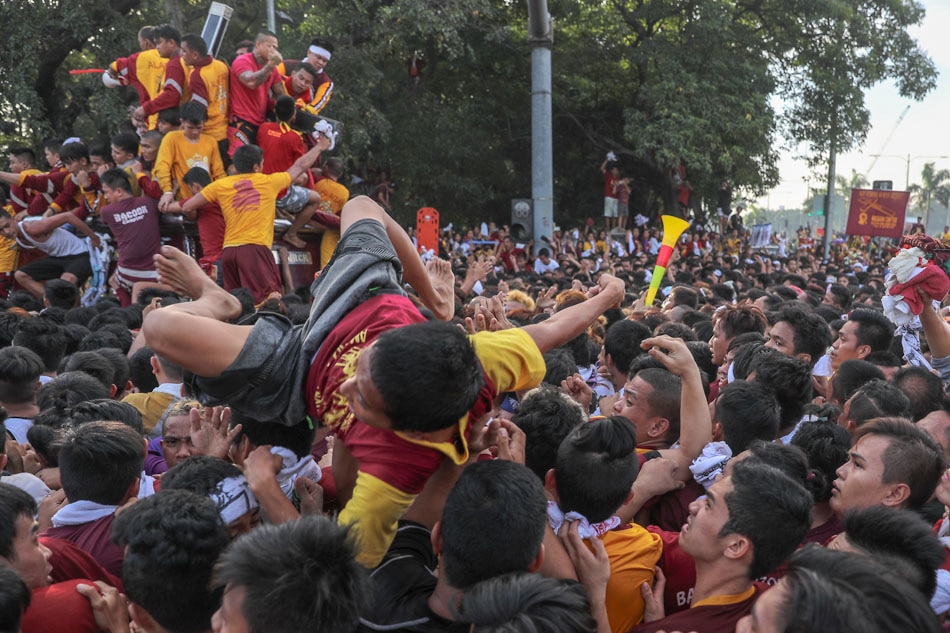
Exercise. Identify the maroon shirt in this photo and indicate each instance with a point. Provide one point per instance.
(95, 538)
(134, 224)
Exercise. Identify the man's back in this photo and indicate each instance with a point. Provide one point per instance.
(247, 203)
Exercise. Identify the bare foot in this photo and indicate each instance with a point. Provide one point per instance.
(184, 276)
(443, 286)
(294, 241)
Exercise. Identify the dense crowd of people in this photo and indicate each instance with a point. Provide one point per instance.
(491, 435)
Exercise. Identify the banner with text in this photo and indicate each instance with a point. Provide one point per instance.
(877, 212)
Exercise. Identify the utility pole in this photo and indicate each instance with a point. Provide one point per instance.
(541, 39)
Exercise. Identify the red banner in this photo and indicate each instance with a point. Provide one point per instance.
(877, 212)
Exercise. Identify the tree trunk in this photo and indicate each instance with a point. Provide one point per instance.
(60, 44)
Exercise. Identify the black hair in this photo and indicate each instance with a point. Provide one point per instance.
(901, 537)
(193, 112)
(308, 68)
(61, 293)
(546, 416)
(99, 461)
(676, 330)
(769, 508)
(912, 457)
(23, 154)
(830, 590)
(747, 411)
(14, 599)
(826, 446)
(171, 116)
(80, 315)
(20, 369)
(116, 178)
(664, 400)
(622, 342)
(93, 364)
(246, 157)
(841, 295)
(297, 576)
(596, 467)
(107, 409)
(851, 376)
(493, 522)
(14, 503)
(98, 339)
(120, 366)
(526, 603)
(197, 176)
(172, 541)
(284, 109)
(789, 380)
(322, 42)
(874, 330)
(878, 399)
(427, 374)
(127, 142)
(199, 473)
(196, 43)
(923, 389)
(71, 152)
(168, 32)
(69, 389)
(297, 438)
(140, 370)
(559, 365)
(811, 333)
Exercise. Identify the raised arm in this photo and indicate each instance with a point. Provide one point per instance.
(252, 79)
(695, 423)
(306, 161)
(568, 323)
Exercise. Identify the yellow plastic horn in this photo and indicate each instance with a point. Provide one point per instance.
(673, 227)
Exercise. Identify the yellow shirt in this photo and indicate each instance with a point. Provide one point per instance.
(176, 155)
(512, 361)
(216, 78)
(247, 203)
(333, 196)
(633, 552)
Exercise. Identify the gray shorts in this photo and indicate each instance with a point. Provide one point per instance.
(267, 381)
(294, 200)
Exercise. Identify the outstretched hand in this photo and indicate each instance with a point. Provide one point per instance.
(209, 431)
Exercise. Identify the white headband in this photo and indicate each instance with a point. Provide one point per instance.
(233, 498)
(319, 50)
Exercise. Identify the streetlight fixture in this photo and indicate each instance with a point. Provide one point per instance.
(908, 159)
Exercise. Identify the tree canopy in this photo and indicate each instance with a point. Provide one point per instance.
(718, 85)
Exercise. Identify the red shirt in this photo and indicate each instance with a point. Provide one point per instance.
(250, 104)
(609, 181)
(281, 146)
(59, 608)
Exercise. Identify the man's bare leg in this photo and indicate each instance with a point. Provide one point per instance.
(363, 207)
(300, 221)
(194, 335)
(34, 287)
